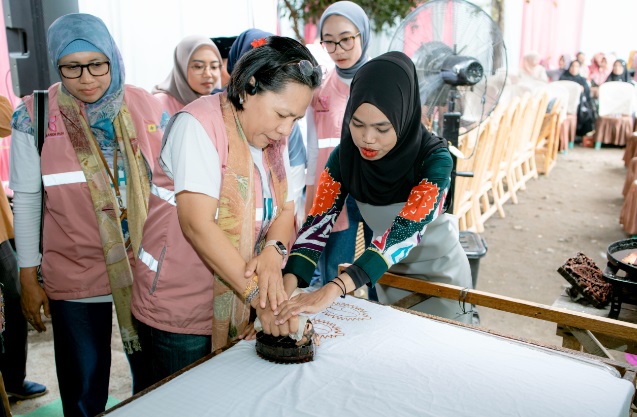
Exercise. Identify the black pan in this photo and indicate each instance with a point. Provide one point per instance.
(615, 253)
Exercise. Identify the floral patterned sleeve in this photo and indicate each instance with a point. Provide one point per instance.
(424, 204)
(311, 239)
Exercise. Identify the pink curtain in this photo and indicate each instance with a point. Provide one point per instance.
(552, 28)
(6, 90)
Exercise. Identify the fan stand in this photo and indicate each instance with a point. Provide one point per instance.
(451, 132)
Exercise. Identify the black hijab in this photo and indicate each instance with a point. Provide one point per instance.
(619, 77)
(388, 82)
(578, 79)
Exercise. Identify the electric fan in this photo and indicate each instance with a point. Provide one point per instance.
(460, 60)
(461, 63)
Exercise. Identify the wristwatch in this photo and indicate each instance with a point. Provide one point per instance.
(280, 247)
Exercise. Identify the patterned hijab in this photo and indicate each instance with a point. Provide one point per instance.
(355, 14)
(176, 84)
(86, 27)
(390, 179)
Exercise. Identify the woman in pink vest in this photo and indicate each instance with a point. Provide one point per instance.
(345, 33)
(100, 144)
(220, 204)
(196, 72)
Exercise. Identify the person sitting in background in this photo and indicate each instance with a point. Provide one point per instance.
(398, 174)
(245, 42)
(13, 356)
(531, 70)
(101, 140)
(585, 111)
(196, 72)
(563, 64)
(598, 70)
(583, 69)
(619, 72)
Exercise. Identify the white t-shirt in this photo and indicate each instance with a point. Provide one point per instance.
(190, 158)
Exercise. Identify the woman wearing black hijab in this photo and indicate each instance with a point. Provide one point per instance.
(585, 115)
(399, 175)
(620, 72)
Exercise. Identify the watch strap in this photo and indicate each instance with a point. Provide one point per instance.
(278, 245)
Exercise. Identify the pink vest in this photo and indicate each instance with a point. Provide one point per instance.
(73, 263)
(329, 103)
(173, 288)
(170, 103)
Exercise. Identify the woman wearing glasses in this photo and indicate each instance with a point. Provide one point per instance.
(220, 205)
(101, 138)
(196, 72)
(344, 31)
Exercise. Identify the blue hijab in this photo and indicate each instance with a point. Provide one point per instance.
(355, 14)
(243, 44)
(85, 27)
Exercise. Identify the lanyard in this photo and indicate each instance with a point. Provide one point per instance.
(114, 181)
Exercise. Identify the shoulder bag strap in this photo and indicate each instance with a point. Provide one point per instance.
(40, 112)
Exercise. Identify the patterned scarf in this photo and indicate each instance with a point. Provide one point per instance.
(106, 208)
(237, 207)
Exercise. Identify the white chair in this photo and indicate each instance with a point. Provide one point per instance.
(616, 107)
(574, 92)
(569, 125)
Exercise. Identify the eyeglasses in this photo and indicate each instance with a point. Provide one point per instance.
(96, 69)
(307, 69)
(199, 69)
(346, 44)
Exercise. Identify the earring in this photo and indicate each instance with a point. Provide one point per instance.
(240, 100)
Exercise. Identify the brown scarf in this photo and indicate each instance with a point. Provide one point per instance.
(237, 206)
(105, 205)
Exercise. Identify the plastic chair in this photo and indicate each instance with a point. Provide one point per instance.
(569, 125)
(616, 107)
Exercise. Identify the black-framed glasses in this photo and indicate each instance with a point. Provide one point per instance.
(96, 69)
(346, 44)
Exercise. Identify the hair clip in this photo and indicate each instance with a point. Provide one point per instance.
(257, 42)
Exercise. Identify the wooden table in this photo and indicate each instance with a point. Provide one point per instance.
(595, 342)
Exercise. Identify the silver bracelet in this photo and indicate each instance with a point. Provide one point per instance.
(252, 294)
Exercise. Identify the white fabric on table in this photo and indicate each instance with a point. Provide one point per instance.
(377, 361)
